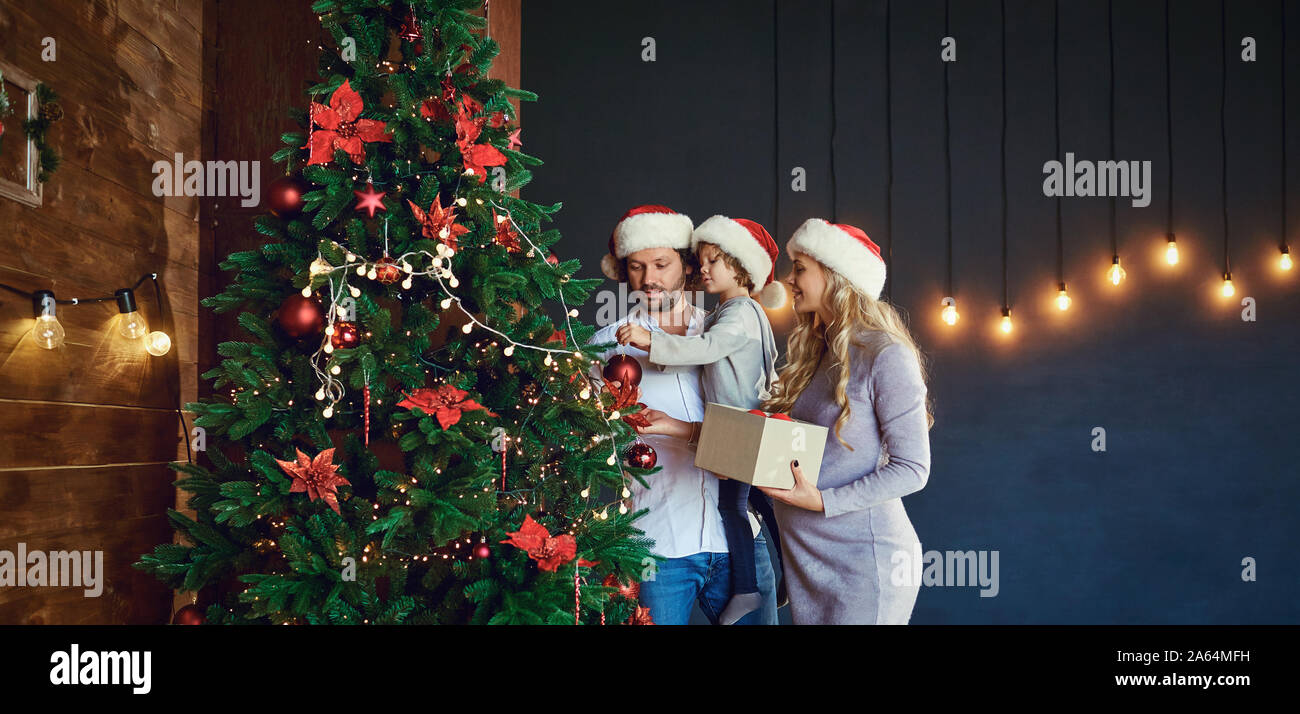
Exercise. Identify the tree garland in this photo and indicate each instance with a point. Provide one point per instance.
(5, 109)
(50, 111)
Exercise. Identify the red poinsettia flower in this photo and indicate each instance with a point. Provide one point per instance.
(557, 336)
(549, 552)
(446, 403)
(340, 127)
(437, 220)
(317, 477)
(506, 235)
(627, 396)
(476, 157)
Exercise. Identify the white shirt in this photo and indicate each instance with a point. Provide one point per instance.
(683, 514)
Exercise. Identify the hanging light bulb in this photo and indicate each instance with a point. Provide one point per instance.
(1228, 290)
(47, 332)
(1062, 299)
(157, 343)
(950, 315)
(1006, 320)
(1285, 262)
(319, 267)
(1171, 251)
(1116, 274)
(130, 323)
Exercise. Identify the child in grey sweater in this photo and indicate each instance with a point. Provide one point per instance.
(738, 353)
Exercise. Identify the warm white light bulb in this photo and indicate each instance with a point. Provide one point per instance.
(319, 266)
(508, 350)
(468, 328)
(1006, 323)
(1171, 253)
(1228, 290)
(157, 343)
(48, 333)
(446, 303)
(950, 315)
(1285, 262)
(132, 326)
(1062, 300)
(1115, 274)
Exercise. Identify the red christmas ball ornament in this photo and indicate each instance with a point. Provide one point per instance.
(642, 455)
(346, 335)
(284, 196)
(386, 271)
(552, 259)
(623, 369)
(189, 615)
(482, 551)
(301, 316)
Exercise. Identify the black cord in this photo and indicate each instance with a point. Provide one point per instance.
(1056, 114)
(1282, 4)
(947, 148)
(1169, 121)
(835, 193)
(78, 301)
(889, 155)
(1110, 44)
(776, 117)
(1005, 302)
(189, 453)
(1223, 126)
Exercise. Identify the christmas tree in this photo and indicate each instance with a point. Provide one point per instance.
(406, 436)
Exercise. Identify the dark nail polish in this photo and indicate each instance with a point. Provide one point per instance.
(796, 462)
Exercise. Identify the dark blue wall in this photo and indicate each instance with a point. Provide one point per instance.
(1199, 406)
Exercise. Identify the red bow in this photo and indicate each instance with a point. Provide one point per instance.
(774, 415)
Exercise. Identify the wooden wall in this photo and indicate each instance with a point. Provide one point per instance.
(86, 430)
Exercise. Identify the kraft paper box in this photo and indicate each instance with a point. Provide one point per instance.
(757, 449)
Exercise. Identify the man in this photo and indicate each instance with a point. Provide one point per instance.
(650, 250)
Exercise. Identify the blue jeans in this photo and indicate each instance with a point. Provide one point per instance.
(705, 578)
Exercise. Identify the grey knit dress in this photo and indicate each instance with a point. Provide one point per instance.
(839, 564)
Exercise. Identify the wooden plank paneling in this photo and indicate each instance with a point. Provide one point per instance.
(55, 434)
(129, 597)
(35, 502)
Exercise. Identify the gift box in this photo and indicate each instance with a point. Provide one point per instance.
(757, 448)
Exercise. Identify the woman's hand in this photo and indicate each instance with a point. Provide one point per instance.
(805, 495)
(634, 335)
(661, 423)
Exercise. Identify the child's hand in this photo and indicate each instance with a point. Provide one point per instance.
(635, 335)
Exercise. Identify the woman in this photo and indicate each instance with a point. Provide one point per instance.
(852, 366)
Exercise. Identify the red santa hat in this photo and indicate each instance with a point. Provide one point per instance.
(752, 246)
(642, 228)
(842, 248)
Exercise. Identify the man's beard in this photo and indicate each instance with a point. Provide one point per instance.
(666, 300)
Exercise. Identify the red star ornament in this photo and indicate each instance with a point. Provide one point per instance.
(318, 476)
(446, 402)
(370, 200)
(515, 142)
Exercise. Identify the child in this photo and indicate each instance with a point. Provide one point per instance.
(738, 352)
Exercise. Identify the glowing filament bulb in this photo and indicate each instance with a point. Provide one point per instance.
(1285, 262)
(1006, 320)
(1116, 274)
(508, 350)
(1228, 290)
(1171, 252)
(949, 313)
(1062, 299)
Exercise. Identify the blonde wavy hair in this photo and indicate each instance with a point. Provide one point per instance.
(854, 311)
